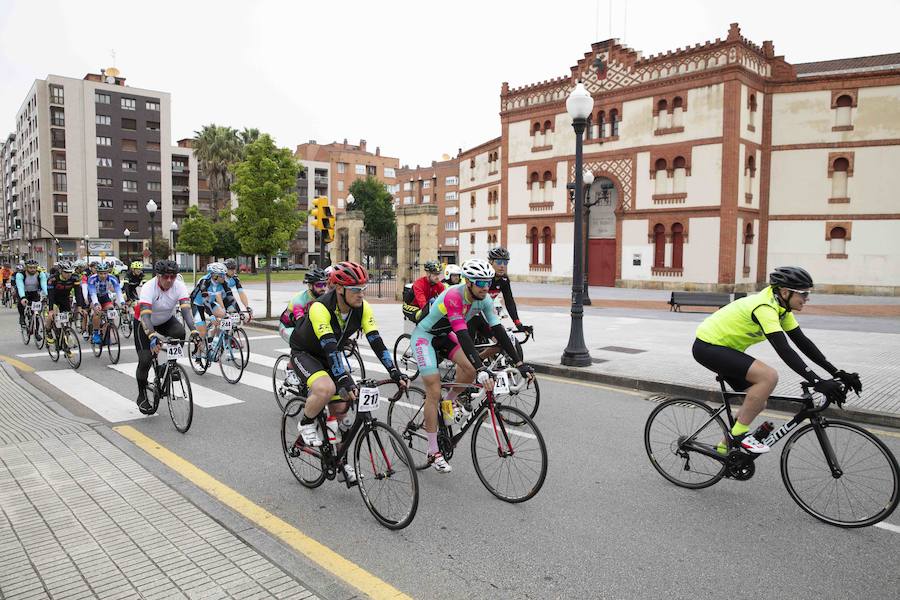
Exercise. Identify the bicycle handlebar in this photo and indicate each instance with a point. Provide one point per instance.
(808, 389)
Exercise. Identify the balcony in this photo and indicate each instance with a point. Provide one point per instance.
(321, 182)
(180, 169)
(181, 189)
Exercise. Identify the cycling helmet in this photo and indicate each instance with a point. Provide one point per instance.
(348, 273)
(432, 266)
(103, 267)
(136, 265)
(230, 264)
(31, 262)
(498, 253)
(452, 270)
(20, 266)
(216, 268)
(80, 263)
(477, 268)
(66, 267)
(791, 277)
(315, 276)
(93, 264)
(165, 267)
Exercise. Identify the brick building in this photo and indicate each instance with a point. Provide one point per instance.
(713, 163)
(436, 184)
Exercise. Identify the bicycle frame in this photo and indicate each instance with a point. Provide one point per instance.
(487, 404)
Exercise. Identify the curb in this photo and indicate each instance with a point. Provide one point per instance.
(43, 398)
(870, 417)
(271, 325)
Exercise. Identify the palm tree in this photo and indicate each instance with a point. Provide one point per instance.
(217, 148)
(248, 135)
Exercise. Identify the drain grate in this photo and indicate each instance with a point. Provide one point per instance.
(622, 349)
(657, 398)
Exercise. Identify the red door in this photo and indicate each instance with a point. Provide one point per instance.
(602, 267)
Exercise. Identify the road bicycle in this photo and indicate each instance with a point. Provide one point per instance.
(834, 470)
(170, 381)
(109, 336)
(33, 323)
(238, 319)
(8, 298)
(65, 340)
(508, 450)
(224, 347)
(387, 481)
(125, 319)
(286, 384)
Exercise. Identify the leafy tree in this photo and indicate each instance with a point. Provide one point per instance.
(266, 215)
(372, 198)
(160, 248)
(196, 235)
(226, 244)
(217, 149)
(247, 136)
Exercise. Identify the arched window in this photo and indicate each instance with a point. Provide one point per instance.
(659, 245)
(677, 245)
(547, 126)
(589, 130)
(537, 135)
(679, 175)
(601, 123)
(614, 123)
(677, 112)
(662, 117)
(662, 177)
(472, 163)
(535, 187)
(536, 128)
(841, 168)
(548, 186)
(838, 241)
(535, 242)
(749, 174)
(748, 244)
(548, 245)
(844, 106)
(751, 120)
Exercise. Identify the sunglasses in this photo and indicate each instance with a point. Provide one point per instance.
(356, 289)
(482, 283)
(501, 262)
(320, 285)
(170, 276)
(802, 293)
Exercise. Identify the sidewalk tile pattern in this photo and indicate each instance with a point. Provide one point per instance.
(28, 420)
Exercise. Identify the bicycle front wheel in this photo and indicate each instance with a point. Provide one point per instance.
(668, 427)
(403, 357)
(199, 355)
(38, 333)
(406, 416)
(180, 397)
(71, 347)
(231, 361)
(304, 461)
(113, 345)
(282, 390)
(53, 349)
(865, 492)
(125, 325)
(524, 395)
(241, 336)
(388, 483)
(510, 459)
(355, 363)
(26, 331)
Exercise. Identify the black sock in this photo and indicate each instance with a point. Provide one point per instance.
(307, 420)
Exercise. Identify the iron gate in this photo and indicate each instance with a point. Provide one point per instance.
(379, 256)
(412, 233)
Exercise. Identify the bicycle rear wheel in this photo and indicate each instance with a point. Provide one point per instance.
(510, 460)
(305, 462)
(668, 427)
(125, 325)
(180, 397)
(231, 360)
(71, 347)
(281, 387)
(388, 483)
(406, 416)
(403, 357)
(868, 488)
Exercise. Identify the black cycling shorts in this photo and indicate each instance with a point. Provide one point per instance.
(732, 365)
(62, 301)
(308, 367)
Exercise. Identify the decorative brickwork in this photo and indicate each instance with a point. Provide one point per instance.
(619, 170)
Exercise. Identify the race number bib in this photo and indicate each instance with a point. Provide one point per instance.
(369, 399)
(8, 285)
(174, 352)
(61, 319)
(501, 383)
(227, 324)
(111, 314)
(36, 306)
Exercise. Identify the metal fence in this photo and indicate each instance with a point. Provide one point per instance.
(412, 235)
(379, 256)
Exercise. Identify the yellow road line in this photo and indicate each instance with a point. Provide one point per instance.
(323, 556)
(17, 363)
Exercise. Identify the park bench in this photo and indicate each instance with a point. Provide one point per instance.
(679, 299)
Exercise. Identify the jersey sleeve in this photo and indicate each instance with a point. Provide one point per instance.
(420, 292)
(368, 323)
(237, 283)
(767, 317)
(145, 300)
(789, 323)
(320, 319)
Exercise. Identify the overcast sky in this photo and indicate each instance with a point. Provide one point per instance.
(417, 78)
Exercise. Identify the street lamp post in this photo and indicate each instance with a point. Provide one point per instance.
(87, 252)
(578, 105)
(588, 180)
(173, 231)
(127, 234)
(151, 208)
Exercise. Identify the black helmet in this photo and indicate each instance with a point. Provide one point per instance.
(432, 266)
(315, 276)
(230, 263)
(796, 278)
(498, 253)
(165, 267)
(31, 262)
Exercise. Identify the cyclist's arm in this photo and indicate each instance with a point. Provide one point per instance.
(92, 291)
(509, 302)
(420, 291)
(118, 289)
(808, 348)
(370, 328)
(43, 279)
(20, 285)
(767, 318)
(241, 293)
(493, 321)
(320, 319)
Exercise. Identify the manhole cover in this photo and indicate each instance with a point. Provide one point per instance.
(622, 349)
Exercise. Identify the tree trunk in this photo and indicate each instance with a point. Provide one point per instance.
(268, 286)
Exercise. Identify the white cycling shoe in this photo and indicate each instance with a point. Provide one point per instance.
(753, 446)
(439, 463)
(349, 473)
(310, 435)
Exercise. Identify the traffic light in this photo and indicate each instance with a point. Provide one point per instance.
(323, 217)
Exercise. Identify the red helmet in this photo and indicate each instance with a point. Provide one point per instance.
(348, 273)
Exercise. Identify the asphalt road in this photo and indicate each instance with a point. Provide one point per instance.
(605, 524)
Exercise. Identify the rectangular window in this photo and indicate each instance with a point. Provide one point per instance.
(60, 204)
(389, 173)
(58, 117)
(152, 146)
(152, 166)
(57, 138)
(103, 119)
(451, 211)
(341, 167)
(451, 226)
(104, 203)
(104, 182)
(128, 103)
(152, 125)
(154, 186)
(152, 105)
(426, 184)
(452, 180)
(106, 224)
(360, 169)
(102, 161)
(61, 225)
(57, 94)
(129, 165)
(407, 200)
(131, 226)
(59, 162)
(100, 98)
(129, 186)
(129, 145)
(371, 170)
(407, 186)
(340, 185)
(103, 141)
(60, 182)
(177, 166)
(130, 206)
(129, 124)
(451, 196)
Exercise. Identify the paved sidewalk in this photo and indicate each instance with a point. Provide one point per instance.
(81, 519)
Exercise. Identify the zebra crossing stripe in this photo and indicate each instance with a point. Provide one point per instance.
(203, 396)
(110, 405)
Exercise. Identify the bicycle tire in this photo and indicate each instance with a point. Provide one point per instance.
(180, 398)
(403, 356)
(381, 470)
(282, 391)
(38, 333)
(835, 490)
(488, 432)
(664, 450)
(231, 359)
(241, 335)
(112, 343)
(528, 399)
(406, 417)
(125, 325)
(25, 328)
(53, 349)
(304, 462)
(199, 355)
(360, 371)
(72, 347)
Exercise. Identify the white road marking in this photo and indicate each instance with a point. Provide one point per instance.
(263, 337)
(85, 350)
(266, 361)
(262, 382)
(203, 396)
(888, 526)
(103, 401)
(509, 428)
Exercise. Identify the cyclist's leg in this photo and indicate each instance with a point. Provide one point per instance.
(145, 359)
(465, 372)
(320, 388)
(426, 358)
(200, 318)
(285, 332)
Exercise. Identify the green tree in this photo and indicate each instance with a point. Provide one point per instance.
(217, 149)
(266, 215)
(226, 244)
(247, 136)
(160, 248)
(372, 198)
(196, 235)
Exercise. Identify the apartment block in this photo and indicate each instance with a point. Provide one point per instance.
(436, 184)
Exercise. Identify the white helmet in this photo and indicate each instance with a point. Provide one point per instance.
(477, 268)
(451, 270)
(216, 268)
